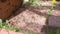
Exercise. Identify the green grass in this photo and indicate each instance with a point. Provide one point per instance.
(6, 25)
(31, 32)
(53, 31)
(32, 3)
(58, 31)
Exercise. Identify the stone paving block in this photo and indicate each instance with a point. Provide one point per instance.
(54, 21)
(3, 31)
(56, 12)
(29, 20)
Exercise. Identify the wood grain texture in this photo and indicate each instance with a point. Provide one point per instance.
(7, 7)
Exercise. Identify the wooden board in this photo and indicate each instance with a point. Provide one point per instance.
(8, 6)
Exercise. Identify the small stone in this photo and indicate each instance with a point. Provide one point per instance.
(3, 31)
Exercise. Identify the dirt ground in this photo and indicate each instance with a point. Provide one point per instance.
(33, 18)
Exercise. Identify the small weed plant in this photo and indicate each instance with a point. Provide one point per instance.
(6, 25)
